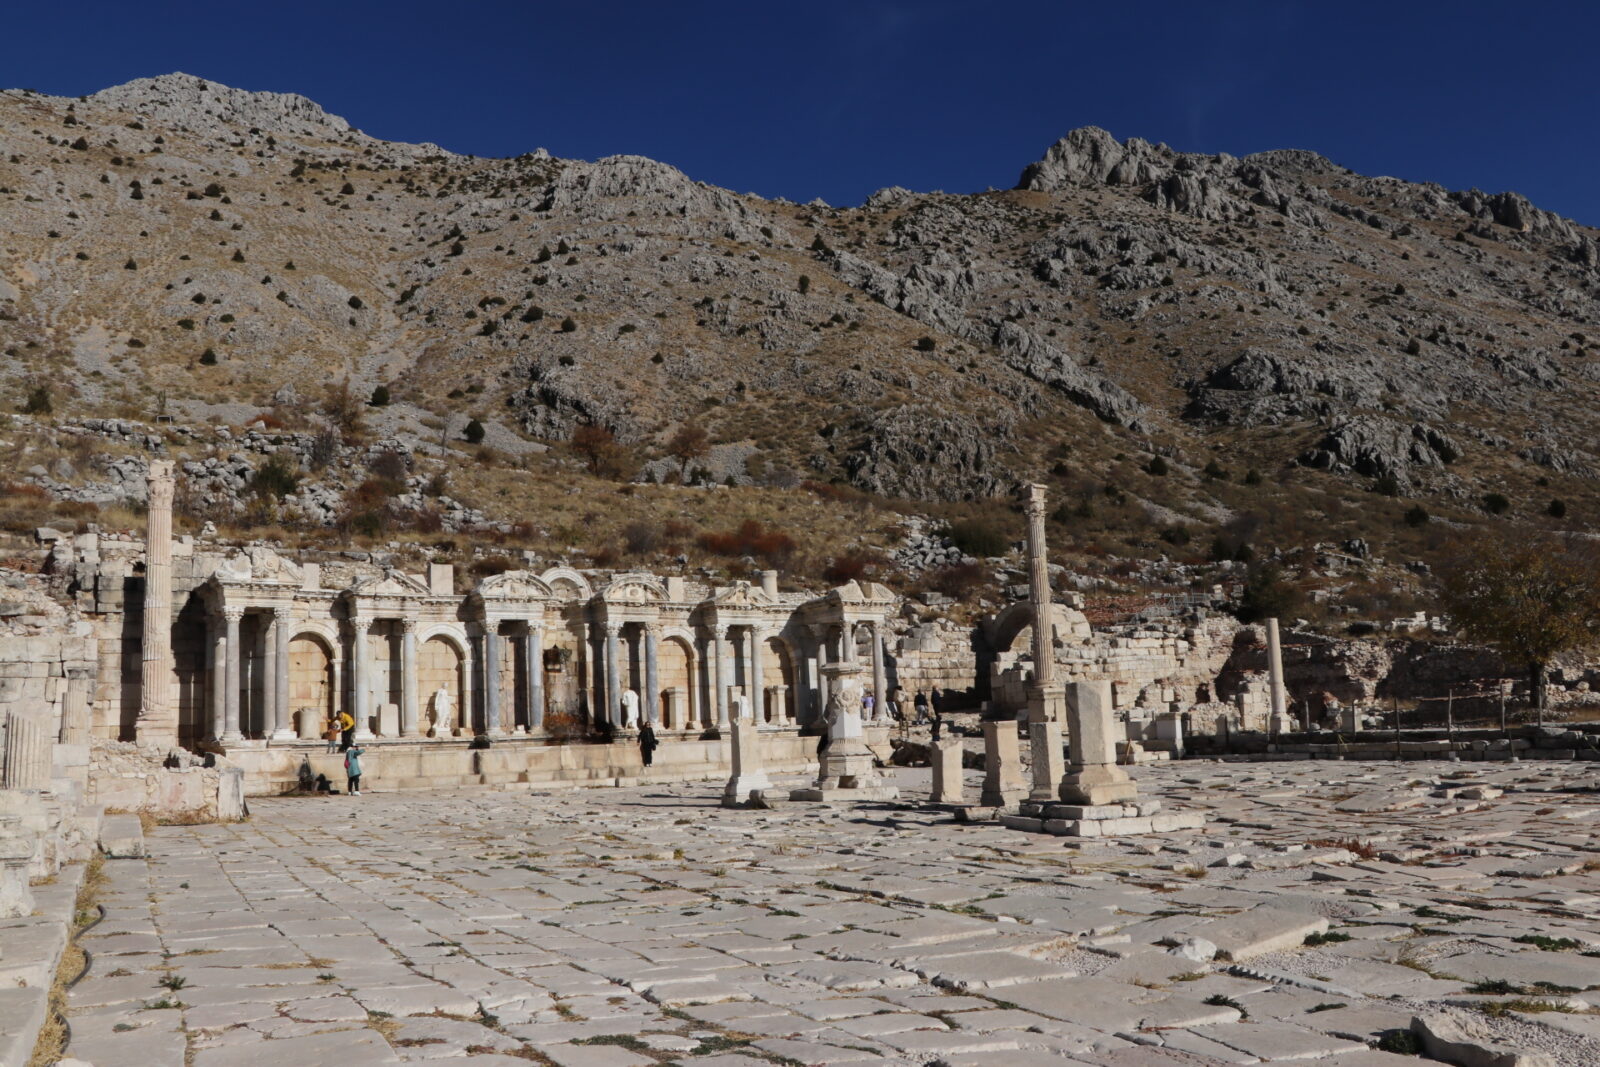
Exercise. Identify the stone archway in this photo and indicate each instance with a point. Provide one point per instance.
(439, 666)
(777, 670)
(312, 690)
(675, 675)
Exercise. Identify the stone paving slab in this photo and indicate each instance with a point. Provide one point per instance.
(637, 925)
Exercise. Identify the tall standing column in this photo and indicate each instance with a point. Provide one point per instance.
(1280, 711)
(819, 680)
(158, 715)
(408, 678)
(652, 676)
(724, 673)
(613, 674)
(360, 678)
(1046, 697)
(219, 679)
(535, 678)
(880, 684)
(491, 678)
(269, 674)
(465, 724)
(280, 669)
(230, 695)
(758, 695)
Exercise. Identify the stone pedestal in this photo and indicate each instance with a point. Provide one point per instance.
(1049, 763)
(312, 724)
(1093, 778)
(749, 770)
(16, 898)
(949, 782)
(1003, 785)
(848, 773)
(388, 720)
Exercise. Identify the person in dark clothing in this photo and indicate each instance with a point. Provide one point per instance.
(647, 743)
(938, 724)
(920, 703)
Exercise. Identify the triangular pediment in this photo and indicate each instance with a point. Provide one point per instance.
(742, 595)
(514, 585)
(391, 583)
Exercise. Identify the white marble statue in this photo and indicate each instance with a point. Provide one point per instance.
(442, 708)
(741, 707)
(630, 709)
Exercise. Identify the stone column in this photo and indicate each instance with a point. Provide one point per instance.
(1280, 711)
(613, 674)
(1093, 777)
(491, 678)
(464, 723)
(1046, 697)
(269, 674)
(724, 674)
(535, 653)
(756, 672)
(282, 713)
(360, 678)
(880, 687)
(75, 723)
(230, 694)
(27, 752)
(408, 678)
(818, 680)
(158, 715)
(652, 676)
(218, 651)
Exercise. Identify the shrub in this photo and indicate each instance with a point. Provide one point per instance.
(1266, 595)
(276, 478)
(391, 465)
(1216, 471)
(1176, 535)
(805, 283)
(474, 433)
(37, 401)
(769, 545)
(568, 324)
(1557, 509)
(355, 303)
(641, 538)
(1496, 503)
(1387, 485)
(380, 397)
(533, 314)
(1417, 515)
(978, 537)
(926, 344)
(1252, 477)
(959, 580)
(851, 567)
(1157, 467)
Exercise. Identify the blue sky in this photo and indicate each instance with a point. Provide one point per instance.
(837, 99)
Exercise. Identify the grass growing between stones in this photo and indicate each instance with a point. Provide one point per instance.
(51, 1043)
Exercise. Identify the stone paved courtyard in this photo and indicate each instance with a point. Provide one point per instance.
(641, 925)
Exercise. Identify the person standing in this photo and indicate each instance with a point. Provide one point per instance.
(647, 742)
(347, 731)
(352, 769)
(866, 707)
(920, 703)
(331, 734)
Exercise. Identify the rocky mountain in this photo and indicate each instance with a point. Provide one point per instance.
(1131, 322)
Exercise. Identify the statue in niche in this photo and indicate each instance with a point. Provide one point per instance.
(630, 709)
(443, 707)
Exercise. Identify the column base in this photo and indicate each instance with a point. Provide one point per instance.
(1097, 785)
(284, 734)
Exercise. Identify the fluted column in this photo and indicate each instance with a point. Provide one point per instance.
(724, 673)
(491, 678)
(535, 652)
(465, 723)
(880, 707)
(613, 694)
(285, 729)
(652, 678)
(230, 695)
(818, 680)
(360, 678)
(408, 678)
(218, 651)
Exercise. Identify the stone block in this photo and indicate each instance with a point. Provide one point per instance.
(122, 837)
(1444, 1038)
(1261, 930)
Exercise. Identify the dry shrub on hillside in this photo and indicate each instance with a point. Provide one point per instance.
(854, 566)
(959, 580)
(769, 545)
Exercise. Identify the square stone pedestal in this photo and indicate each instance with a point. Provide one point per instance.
(1101, 820)
(847, 774)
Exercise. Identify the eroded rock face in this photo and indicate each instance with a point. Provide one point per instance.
(928, 455)
(1377, 448)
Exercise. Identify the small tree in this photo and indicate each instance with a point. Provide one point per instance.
(1496, 503)
(1557, 509)
(568, 324)
(600, 450)
(1531, 598)
(690, 443)
(1417, 515)
(474, 433)
(1266, 595)
(38, 402)
(380, 397)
